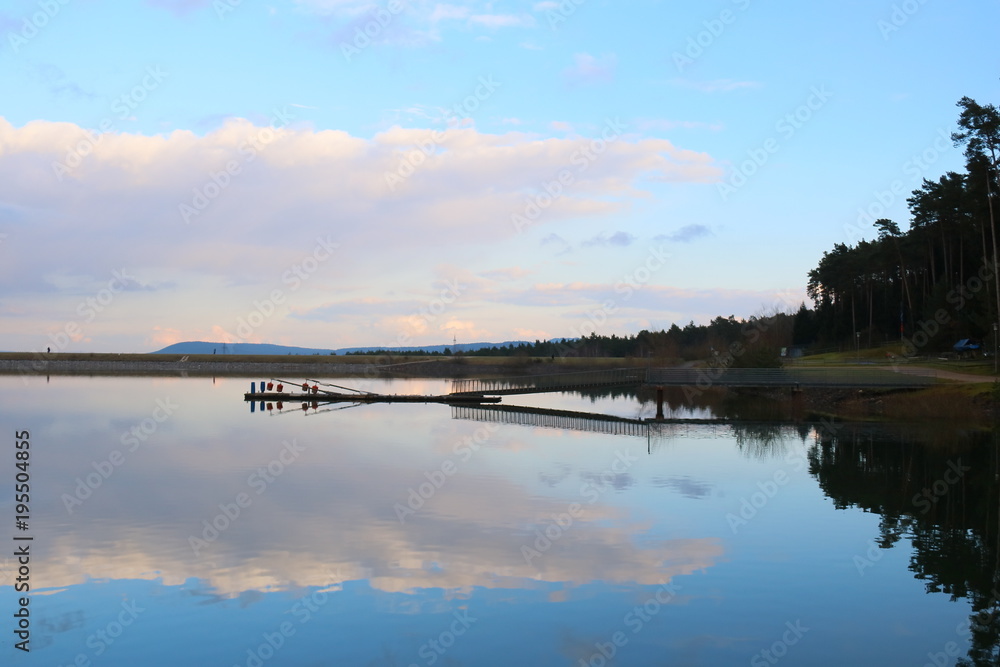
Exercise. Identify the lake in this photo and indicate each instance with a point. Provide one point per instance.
(169, 525)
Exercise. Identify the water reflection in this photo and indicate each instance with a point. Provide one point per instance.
(943, 499)
(369, 529)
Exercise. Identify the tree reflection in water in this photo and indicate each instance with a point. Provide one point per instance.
(941, 492)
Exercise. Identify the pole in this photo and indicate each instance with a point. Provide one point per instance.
(993, 233)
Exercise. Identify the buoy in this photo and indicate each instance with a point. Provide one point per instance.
(315, 389)
(270, 407)
(280, 386)
(270, 386)
(280, 405)
(315, 405)
(305, 406)
(253, 387)
(305, 386)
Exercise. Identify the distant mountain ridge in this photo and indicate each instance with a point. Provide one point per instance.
(202, 347)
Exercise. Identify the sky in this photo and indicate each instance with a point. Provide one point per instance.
(334, 173)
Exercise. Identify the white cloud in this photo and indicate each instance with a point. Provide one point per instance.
(418, 23)
(327, 7)
(588, 69)
(503, 20)
(444, 12)
(259, 199)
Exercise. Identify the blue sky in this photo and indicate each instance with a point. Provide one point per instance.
(260, 172)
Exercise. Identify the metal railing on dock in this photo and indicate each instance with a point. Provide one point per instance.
(530, 384)
(591, 423)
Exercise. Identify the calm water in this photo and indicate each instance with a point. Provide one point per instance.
(173, 527)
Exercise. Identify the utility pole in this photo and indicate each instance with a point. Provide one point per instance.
(996, 278)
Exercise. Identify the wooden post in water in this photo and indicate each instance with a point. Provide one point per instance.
(659, 402)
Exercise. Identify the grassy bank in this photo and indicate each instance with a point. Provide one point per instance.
(955, 403)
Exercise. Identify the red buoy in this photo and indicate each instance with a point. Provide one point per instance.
(280, 387)
(315, 389)
(270, 386)
(305, 386)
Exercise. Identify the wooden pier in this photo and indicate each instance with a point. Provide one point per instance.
(332, 397)
(314, 391)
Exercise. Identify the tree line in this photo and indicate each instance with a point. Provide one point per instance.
(728, 341)
(932, 284)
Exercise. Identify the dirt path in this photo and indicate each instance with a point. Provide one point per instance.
(946, 375)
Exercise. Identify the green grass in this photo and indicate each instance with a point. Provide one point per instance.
(970, 367)
(878, 354)
(881, 355)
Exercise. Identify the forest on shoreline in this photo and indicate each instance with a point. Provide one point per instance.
(933, 284)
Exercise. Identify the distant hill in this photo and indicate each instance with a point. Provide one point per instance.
(201, 347)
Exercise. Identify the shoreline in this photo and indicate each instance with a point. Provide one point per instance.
(952, 401)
